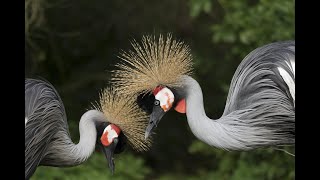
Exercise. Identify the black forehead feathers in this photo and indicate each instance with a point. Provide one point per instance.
(100, 127)
(121, 144)
(145, 102)
(177, 96)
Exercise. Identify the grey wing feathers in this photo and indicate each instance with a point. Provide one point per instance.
(44, 111)
(258, 73)
(264, 83)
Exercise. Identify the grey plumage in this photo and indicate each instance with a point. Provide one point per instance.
(258, 74)
(261, 89)
(47, 137)
(45, 114)
(260, 110)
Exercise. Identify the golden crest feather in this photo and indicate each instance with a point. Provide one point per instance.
(156, 62)
(124, 112)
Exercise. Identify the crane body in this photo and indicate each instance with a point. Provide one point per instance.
(47, 137)
(260, 107)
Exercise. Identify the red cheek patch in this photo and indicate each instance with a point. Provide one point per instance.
(157, 89)
(104, 139)
(181, 106)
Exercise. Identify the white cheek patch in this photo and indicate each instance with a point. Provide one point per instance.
(111, 133)
(289, 81)
(25, 120)
(166, 98)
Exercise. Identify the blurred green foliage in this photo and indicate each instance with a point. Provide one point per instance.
(77, 46)
(258, 164)
(97, 168)
(253, 24)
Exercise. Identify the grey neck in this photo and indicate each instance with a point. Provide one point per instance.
(63, 152)
(204, 128)
(227, 132)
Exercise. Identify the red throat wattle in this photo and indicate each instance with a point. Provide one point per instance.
(181, 106)
(105, 140)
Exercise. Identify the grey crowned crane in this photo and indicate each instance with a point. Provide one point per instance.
(112, 123)
(260, 107)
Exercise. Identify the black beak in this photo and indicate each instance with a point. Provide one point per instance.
(108, 152)
(155, 117)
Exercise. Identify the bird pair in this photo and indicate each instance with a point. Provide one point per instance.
(259, 112)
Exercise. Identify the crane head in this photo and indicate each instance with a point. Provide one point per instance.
(164, 100)
(112, 141)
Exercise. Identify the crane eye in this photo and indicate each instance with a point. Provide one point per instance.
(156, 102)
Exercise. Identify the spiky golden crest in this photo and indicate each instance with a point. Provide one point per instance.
(156, 62)
(125, 113)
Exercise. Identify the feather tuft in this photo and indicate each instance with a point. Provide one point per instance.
(126, 114)
(153, 62)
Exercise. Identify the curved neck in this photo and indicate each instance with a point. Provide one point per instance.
(71, 154)
(194, 100)
(88, 133)
(218, 133)
(196, 115)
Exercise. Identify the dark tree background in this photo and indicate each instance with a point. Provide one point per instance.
(74, 44)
